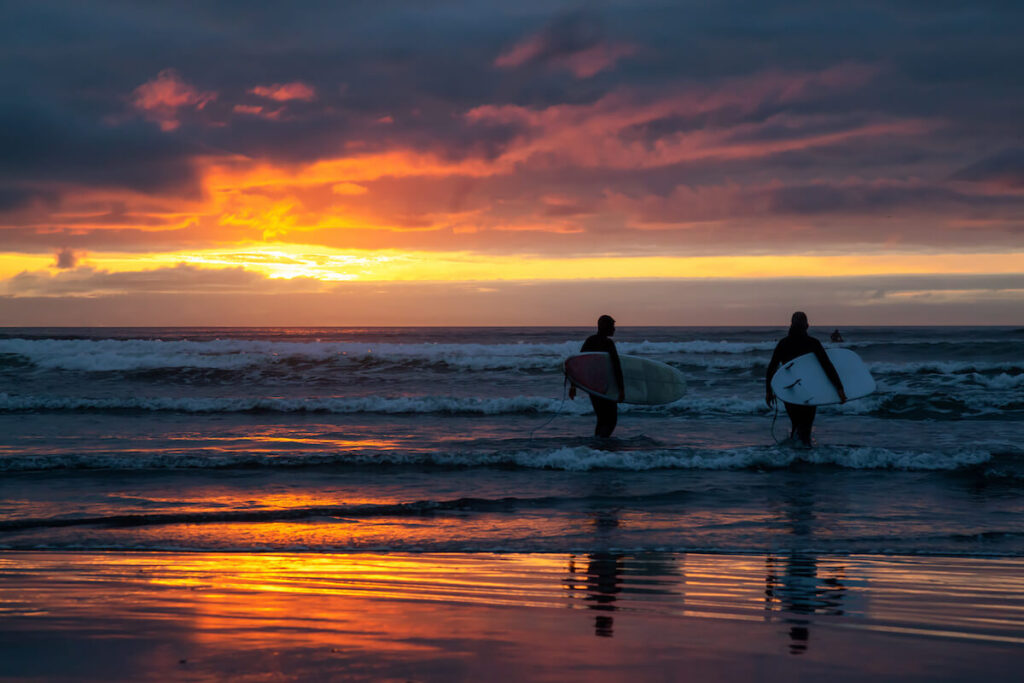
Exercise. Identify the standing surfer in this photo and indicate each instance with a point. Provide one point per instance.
(795, 344)
(607, 412)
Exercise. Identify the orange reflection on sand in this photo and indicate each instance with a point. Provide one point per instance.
(402, 577)
(233, 499)
(350, 601)
(340, 610)
(271, 442)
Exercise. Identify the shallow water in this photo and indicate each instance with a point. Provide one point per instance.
(460, 439)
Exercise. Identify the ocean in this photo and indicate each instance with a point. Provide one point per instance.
(427, 504)
(463, 440)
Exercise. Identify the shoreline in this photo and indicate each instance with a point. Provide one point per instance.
(144, 615)
(880, 555)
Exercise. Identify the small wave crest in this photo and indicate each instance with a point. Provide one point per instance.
(902, 404)
(229, 361)
(339, 405)
(578, 458)
(945, 367)
(120, 355)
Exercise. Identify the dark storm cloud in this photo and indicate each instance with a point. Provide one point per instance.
(396, 57)
(827, 199)
(419, 63)
(48, 144)
(12, 198)
(66, 259)
(404, 74)
(1005, 168)
(575, 41)
(565, 35)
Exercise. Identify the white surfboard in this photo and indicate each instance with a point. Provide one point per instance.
(648, 382)
(803, 380)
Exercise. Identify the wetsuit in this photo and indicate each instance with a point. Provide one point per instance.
(607, 411)
(794, 345)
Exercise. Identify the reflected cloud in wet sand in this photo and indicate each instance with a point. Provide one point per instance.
(445, 616)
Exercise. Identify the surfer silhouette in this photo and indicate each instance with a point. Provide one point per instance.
(607, 412)
(796, 344)
(836, 337)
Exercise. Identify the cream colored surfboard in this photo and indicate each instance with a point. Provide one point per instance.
(648, 382)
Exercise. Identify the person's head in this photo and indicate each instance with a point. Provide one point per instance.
(798, 323)
(606, 325)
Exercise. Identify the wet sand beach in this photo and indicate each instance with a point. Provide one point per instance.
(438, 617)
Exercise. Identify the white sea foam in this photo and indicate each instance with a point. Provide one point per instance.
(975, 401)
(121, 355)
(569, 458)
(364, 404)
(105, 355)
(118, 355)
(699, 346)
(932, 340)
(582, 458)
(948, 367)
(1000, 382)
(340, 405)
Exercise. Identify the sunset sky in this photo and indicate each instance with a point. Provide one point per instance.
(435, 162)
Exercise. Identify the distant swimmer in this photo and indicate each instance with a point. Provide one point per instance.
(607, 412)
(836, 337)
(796, 344)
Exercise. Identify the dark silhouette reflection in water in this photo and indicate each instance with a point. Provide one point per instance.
(601, 584)
(603, 579)
(794, 587)
(600, 580)
(792, 583)
(799, 587)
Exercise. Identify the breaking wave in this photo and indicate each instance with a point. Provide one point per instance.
(898, 402)
(566, 458)
(114, 355)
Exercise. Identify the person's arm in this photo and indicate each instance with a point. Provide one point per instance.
(617, 368)
(830, 370)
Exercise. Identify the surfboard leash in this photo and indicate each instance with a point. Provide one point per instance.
(565, 393)
(774, 418)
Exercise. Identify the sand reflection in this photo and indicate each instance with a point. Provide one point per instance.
(458, 615)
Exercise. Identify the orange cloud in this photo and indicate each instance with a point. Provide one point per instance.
(161, 98)
(571, 179)
(583, 64)
(283, 92)
(594, 60)
(348, 188)
(575, 42)
(520, 53)
(257, 110)
(608, 133)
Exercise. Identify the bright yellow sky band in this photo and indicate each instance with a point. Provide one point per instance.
(320, 263)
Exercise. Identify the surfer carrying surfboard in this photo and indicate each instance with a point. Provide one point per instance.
(607, 411)
(798, 343)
